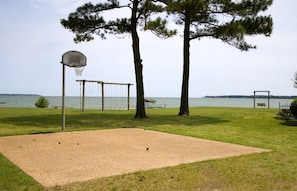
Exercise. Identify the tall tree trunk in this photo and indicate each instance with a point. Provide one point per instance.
(184, 101)
(140, 108)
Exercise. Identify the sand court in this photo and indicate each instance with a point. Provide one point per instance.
(67, 157)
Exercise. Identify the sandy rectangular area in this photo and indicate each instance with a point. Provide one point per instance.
(62, 158)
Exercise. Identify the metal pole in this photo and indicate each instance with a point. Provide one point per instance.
(254, 99)
(129, 96)
(102, 95)
(268, 99)
(83, 96)
(63, 97)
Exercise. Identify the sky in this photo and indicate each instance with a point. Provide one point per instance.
(33, 42)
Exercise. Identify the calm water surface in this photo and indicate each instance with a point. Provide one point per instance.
(121, 103)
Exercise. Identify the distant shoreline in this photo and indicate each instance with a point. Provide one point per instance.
(251, 96)
(19, 95)
(220, 96)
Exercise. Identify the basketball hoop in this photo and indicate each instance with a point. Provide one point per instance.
(76, 60)
(78, 71)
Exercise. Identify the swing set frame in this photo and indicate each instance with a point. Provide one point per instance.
(262, 104)
(102, 91)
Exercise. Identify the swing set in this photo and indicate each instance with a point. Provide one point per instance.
(109, 91)
(262, 104)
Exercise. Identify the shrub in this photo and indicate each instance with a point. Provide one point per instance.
(293, 107)
(42, 102)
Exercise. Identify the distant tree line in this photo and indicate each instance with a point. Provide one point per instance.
(19, 95)
(251, 96)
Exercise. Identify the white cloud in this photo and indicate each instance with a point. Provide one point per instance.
(61, 7)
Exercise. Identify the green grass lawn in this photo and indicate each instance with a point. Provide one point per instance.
(276, 170)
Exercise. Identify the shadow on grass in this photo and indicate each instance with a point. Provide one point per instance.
(82, 121)
(289, 123)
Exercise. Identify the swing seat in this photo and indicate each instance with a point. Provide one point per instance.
(261, 104)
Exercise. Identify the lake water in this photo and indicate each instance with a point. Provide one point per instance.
(117, 103)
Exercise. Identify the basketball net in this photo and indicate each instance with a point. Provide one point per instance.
(79, 70)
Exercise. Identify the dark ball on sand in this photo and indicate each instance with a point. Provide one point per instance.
(147, 148)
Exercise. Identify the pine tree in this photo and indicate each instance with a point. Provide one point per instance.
(227, 20)
(87, 21)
